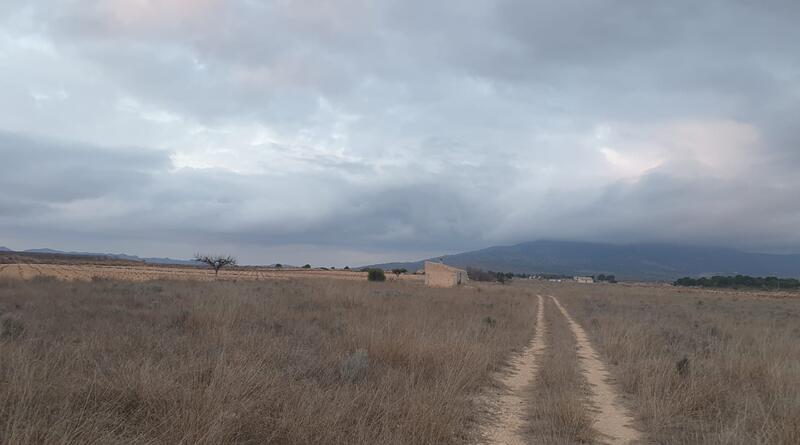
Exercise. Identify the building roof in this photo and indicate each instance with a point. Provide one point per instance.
(442, 267)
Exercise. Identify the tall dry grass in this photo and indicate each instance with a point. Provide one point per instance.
(740, 380)
(296, 362)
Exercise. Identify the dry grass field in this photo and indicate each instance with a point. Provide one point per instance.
(740, 382)
(344, 361)
(87, 272)
(147, 272)
(303, 361)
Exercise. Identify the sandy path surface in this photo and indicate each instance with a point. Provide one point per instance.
(612, 420)
(510, 406)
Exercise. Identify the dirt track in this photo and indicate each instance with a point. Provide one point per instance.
(612, 420)
(510, 406)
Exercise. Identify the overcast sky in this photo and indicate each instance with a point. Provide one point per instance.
(349, 132)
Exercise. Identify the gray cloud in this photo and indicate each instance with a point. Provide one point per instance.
(52, 172)
(375, 130)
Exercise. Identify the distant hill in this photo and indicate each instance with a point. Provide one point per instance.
(5, 249)
(50, 251)
(117, 256)
(629, 262)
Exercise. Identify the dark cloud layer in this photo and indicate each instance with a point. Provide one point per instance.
(353, 131)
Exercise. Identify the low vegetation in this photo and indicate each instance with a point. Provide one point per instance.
(376, 275)
(286, 362)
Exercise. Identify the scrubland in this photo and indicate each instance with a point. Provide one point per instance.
(303, 361)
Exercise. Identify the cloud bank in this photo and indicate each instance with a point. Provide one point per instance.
(349, 132)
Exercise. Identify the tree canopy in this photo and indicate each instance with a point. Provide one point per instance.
(740, 281)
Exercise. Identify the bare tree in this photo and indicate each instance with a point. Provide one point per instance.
(216, 262)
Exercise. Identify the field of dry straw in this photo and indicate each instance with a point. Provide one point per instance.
(314, 361)
(351, 362)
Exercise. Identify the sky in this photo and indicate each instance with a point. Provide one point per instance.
(348, 132)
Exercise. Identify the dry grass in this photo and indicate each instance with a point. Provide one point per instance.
(316, 361)
(107, 270)
(558, 406)
(741, 381)
(337, 361)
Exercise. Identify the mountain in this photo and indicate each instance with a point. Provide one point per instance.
(118, 256)
(5, 249)
(49, 251)
(629, 262)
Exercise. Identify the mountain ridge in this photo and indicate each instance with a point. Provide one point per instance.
(118, 256)
(649, 262)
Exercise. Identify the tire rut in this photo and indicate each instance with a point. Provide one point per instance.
(510, 406)
(611, 419)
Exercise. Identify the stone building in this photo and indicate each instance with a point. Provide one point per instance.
(441, 275)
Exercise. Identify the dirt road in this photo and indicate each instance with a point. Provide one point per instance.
(510, 405)
(612, 420)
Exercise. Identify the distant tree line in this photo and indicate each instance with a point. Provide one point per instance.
(476, 274)
(740, 281)
(606, 278)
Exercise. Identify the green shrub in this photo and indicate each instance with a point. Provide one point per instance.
(376, 275)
